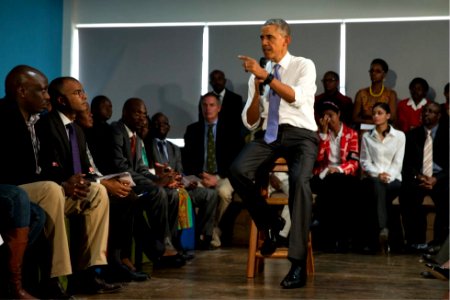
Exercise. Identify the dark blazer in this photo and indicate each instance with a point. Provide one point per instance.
(413, 159)
(56, 154)
(228, 146)
(123, 161)
(17, 160)
(173, 151)
(100, 142)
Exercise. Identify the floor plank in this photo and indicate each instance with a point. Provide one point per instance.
(221, 274)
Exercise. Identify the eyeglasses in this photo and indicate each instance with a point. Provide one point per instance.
(79, 93)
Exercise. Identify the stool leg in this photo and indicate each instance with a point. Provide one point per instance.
(310, 259)
(251, 260)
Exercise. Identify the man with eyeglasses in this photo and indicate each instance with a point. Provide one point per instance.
(330, 83)
(64, 160)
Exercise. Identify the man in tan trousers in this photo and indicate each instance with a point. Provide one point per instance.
(26, 98)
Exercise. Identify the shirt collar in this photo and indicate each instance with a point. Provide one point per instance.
(392, 132)
(33, 119)
(212, 123)
(284, 62)
(129, 132)
(64, 118)
(418, 106)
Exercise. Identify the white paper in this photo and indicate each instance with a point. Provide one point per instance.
(122, 176)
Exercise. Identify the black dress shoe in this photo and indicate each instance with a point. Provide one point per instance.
(52, 289)
(173, 261)
(270, 242)
(121, 273)
(438, 271)
(92, 284)
(427, 275)
(296, 278)
(428, 258)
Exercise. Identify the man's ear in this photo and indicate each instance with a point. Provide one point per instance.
(288, 39)
(21, 91)
(61, 101)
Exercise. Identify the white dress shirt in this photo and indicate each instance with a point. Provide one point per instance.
(300, 74)
(383, 156)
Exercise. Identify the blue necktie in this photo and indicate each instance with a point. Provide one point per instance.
(162, 152)
(274, 105)
(75, 150)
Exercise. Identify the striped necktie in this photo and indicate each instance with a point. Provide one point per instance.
(427, 167)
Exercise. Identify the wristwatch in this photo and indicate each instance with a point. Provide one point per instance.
(268, 79)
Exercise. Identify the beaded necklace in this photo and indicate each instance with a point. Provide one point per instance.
(376, 95)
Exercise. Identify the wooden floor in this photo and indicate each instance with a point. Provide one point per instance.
(221, 274)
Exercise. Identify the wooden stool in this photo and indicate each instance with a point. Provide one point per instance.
(255, 261)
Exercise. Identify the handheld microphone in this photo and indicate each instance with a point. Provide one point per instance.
(262, 63)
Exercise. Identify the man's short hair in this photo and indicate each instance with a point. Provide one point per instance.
(210, 94)
(282, 25)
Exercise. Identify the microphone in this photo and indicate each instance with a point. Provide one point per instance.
(262, 63)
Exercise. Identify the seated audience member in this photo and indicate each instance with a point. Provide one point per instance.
(64, 159)
(382, 151)
(334, 172)
(409, 111)
(157, 197)
(330, 83)
(100, 140)
(22, 164)
(425, 172)
(99, 136)
(168, 154)
(122, 201)
(210, 148)
(20, 224)
(376, 92)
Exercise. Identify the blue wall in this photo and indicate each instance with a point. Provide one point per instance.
(31, 34)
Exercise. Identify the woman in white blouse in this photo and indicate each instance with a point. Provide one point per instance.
(381, 159)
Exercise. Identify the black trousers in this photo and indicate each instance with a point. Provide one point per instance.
(414, 214)
(299, 147)
(335, 206)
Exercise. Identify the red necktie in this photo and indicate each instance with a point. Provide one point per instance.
(133, 146)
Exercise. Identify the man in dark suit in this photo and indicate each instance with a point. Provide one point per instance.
(417, 184)
(157, 198)
(225, 146)
(163, 152)
(64, 159)
(231, 104)
(27, 97)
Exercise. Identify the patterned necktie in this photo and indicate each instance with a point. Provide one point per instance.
(75, 150)
(133, 146)
(273, 116)
(427, 167)
(162, 152)
(34, 140)
(211, 151)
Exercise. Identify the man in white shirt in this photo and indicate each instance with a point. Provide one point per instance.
(289, 130)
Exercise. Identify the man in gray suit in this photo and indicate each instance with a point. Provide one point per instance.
(156, 198)
(164, 152)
